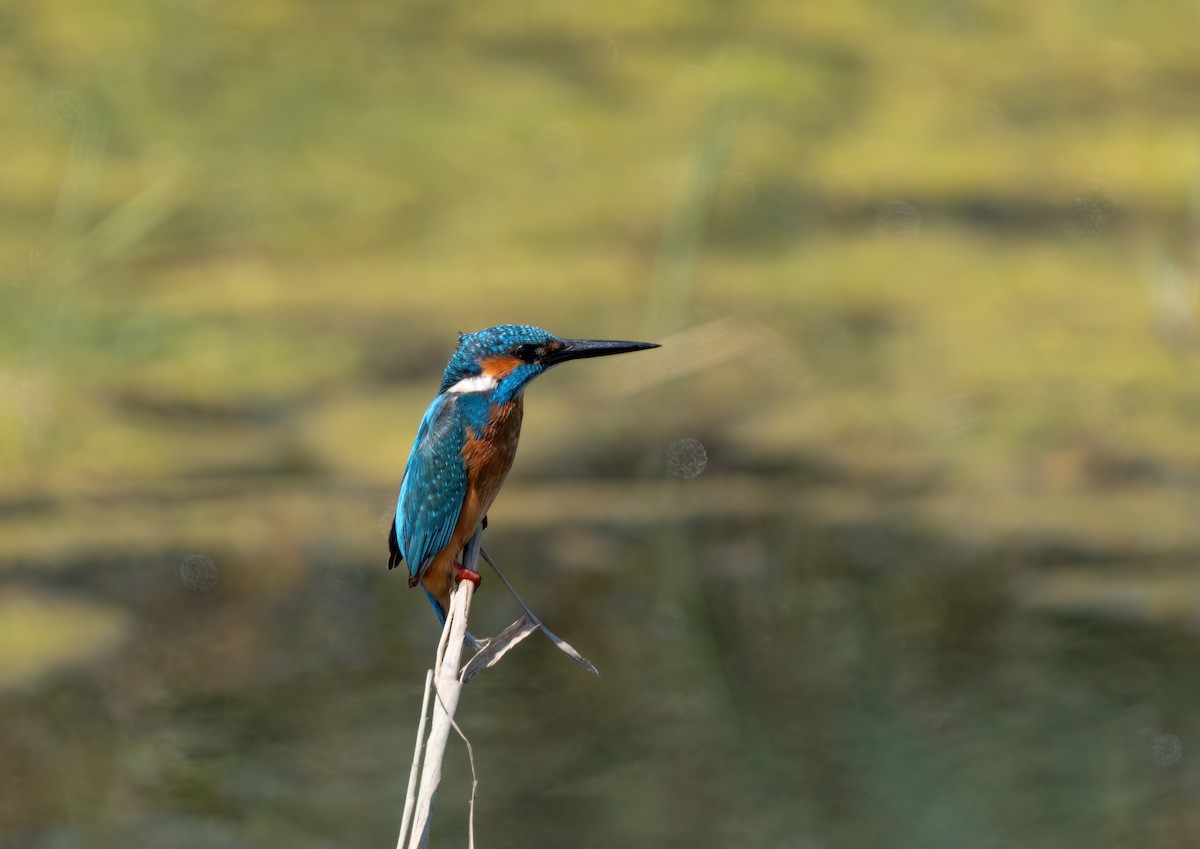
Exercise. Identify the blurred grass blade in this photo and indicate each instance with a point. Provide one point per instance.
(563, 646)
(672, 283)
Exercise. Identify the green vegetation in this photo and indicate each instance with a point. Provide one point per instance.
(226, 229)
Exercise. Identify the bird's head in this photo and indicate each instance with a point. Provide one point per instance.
(502, 360)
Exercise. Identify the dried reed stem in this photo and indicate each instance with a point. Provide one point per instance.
(446, 681)
(448, 686)
(410, 797)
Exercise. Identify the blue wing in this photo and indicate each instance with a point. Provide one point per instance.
(433, 489)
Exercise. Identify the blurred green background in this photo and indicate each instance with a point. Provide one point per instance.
(893, 543)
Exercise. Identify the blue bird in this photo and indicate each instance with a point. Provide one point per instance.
(465, 447)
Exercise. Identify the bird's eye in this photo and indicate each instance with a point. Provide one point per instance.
(528, 353)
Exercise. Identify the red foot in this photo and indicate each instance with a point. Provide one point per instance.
(461, 573)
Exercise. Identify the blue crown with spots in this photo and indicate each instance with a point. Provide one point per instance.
(492, 342)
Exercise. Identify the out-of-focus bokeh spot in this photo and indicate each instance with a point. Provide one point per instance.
(686, 458)
(1167, 750)
(198, 573)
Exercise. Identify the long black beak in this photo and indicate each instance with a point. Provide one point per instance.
(578, 349)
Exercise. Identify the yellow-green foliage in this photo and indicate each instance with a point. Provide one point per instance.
(240, 235)
(39, 634)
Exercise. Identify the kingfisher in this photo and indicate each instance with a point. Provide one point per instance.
(465, 447)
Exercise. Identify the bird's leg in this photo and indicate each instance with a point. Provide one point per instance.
(462, 573)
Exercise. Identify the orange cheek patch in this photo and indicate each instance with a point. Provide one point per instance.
(499, 368)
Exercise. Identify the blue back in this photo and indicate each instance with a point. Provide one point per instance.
(434, 485)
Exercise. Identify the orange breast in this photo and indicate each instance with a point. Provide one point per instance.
(488, 458)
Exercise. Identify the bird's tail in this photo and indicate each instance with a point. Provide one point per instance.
(437, 607)
(441, 615)
(395, 558)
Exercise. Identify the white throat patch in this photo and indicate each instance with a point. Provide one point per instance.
(474, 383)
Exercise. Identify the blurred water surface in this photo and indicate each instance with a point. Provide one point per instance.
(805, 697)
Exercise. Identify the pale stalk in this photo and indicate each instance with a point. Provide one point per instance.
(410, 797)
(448, 687)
